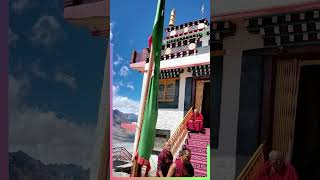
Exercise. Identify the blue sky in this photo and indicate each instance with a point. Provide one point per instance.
(132, 23)
(56, 71)
(70, 60)
(55, 77)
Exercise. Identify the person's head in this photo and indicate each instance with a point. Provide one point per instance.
(185, 156)
(167, 146)
(276, 160)
(196, 111)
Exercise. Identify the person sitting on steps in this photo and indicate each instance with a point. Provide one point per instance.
(182, 167)
(277, 169)
(195, 124)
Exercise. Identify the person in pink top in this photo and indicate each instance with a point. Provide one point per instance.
(195, 124)
(182, 166)
(277, 169)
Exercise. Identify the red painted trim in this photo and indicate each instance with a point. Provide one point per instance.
(266, 11)
(142, 161)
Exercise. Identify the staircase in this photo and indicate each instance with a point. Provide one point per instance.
(197, 143)
(251, 169)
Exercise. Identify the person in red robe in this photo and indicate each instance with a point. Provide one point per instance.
(277, 169)
(165, 159)
(182, 166)
(195, 124)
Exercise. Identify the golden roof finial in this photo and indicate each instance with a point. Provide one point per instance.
(172, 17)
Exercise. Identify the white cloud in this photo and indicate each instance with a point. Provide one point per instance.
(46, 30)
(130, 86)
(118, 60)
(124, 104)
(113, 73)
(12, 37)
(124, 71)
(19, 5)
(67, 79)
(17, 89)
(36, 71)
(111, 28)
(121, 84)
(43, 134)
(115, 90)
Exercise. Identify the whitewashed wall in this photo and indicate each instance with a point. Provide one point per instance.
(169, 119)
(184, 61)
(225, 157)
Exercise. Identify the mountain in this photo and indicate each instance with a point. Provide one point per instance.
(120, 117)
(121, 135)
(24, 167)
(132, 117)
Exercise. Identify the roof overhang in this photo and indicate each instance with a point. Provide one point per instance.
(240, 8)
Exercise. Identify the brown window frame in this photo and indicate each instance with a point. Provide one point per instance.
(167, 82)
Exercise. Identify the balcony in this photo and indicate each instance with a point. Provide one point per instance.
(92, 14)
(180, 56)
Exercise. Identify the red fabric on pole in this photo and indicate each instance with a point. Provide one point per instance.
(150, 41)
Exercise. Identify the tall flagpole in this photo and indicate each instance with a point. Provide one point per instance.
(134, 169)
(149, 107)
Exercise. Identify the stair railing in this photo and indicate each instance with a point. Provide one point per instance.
(121, 153)
(251, 170)
(177, 140)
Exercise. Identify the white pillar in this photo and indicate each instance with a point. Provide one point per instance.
(224, 159)
(101, 149)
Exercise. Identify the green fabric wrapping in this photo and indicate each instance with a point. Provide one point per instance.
(148, 131)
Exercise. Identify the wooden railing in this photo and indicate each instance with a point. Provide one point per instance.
(178, 137)
(250, 171)
(121, 153)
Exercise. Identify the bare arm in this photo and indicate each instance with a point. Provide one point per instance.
(160, 173)
(172, 170)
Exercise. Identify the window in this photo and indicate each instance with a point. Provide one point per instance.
(162, 136)
(167, 90)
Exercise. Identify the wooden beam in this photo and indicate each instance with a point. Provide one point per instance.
(217, 53)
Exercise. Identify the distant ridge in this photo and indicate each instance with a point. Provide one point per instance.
(24, 167)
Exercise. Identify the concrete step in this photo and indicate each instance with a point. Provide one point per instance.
(200, 173)
(197, 161)
(199, 157)
(197, 142)
(207, 131)
(202, 167)
(199, 154)
(197, 149)
(202, 137)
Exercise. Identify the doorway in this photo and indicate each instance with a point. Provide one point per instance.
(306, 146)
(202, 100)
(206, 105)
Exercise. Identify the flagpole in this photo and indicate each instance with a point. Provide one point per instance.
(149, 105)
(134, 169)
